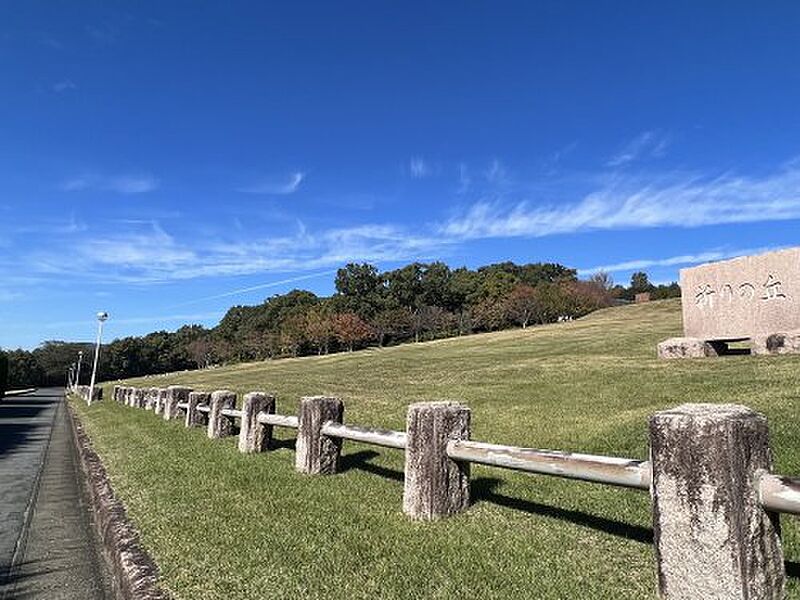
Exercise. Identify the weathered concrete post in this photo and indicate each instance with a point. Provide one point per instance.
(152, 398)
(128, 396)
(115, 395)
(317, 454)
(218, 424)
(161, 401)
(713, 539)
(138, 401)
(195, 418)
(253, 436)
(435, 485)
(175, 395)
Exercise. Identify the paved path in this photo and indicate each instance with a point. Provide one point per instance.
(47, 546)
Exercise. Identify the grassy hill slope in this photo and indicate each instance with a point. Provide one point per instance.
(223, 525)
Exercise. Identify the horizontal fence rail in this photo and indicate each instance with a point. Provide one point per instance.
(622, 472)
(366, 435)
(290, 422)
(781, 494)
(692, 447)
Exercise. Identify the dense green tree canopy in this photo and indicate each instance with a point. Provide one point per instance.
(415, 302)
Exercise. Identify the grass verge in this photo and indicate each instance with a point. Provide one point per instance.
(223, 525)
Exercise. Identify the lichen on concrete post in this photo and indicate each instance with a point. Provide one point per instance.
(161, 401)
(218, 424)
(318, 454)
(713, 538)
(115, 395)
(195, 418)
(435, 485)
(138, 398)
(175, 395)
(128, 396)
(254, 436)
(152, 398)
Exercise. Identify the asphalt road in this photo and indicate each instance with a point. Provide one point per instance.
(48, 548)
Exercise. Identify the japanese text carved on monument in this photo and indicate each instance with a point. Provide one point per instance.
(706, 295)
(742, 297)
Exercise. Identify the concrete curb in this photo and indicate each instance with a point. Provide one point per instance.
(134, 573)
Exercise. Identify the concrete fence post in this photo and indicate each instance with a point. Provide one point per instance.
(195, 418)
(151, 399)
(218, 424)
(127, 396)
(161, 401)
(435, 485)
(175, 395)
(139, 395)
(317, 454)
(115, 395)
(254, 436)
(713, 538)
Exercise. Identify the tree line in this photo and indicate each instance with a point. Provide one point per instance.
(420, 301)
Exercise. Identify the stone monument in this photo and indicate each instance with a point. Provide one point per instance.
(755, 298)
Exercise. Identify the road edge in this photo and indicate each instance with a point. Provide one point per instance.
(133, 571)
(7, 577)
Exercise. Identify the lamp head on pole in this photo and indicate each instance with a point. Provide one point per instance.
(102, 316)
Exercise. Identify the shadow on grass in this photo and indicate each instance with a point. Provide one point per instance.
(360, 461)
(287, 444)
(483, 490)
(792, 569)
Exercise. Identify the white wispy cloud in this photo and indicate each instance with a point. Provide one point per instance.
(464, 179)
(120, 184)
(150, 254)
(496, 173)
(64, 86)
(675, 261)
(275, 187)
(648, 144)
(255, 288)
(9, 296)
(629, 202)
(418, 168)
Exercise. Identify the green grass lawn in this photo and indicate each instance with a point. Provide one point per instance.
(225, 525)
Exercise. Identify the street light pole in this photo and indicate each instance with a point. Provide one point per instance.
(101, 318)
(77, 381)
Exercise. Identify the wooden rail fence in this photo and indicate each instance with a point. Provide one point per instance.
(715, 499)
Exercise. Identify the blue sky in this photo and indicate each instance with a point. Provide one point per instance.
(165, 160)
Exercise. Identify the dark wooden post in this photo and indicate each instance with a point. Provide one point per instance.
(713, 538)
(175, 395)
(435, 485)
(318, 454)
(254, 436)
(195, 418)
(218, 424)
